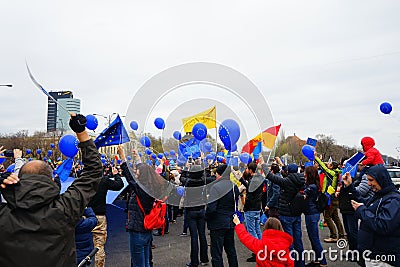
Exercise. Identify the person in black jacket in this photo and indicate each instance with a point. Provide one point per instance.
(146, 186)
(36, 212)
(273, 192)
(379, 233)
(98, 204)
(290, 218)
(219, 216)
(253, 203)
(194, 179)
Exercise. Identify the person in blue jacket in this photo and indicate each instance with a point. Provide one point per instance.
(379, 233)
(83, 234)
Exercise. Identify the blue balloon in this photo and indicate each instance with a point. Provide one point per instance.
(148, 151)
(244, 157)
(199, 131)
(172, 152)
(157, 163)
(160, 155)
(130, 164)
(119, 162)
(308, 152)
(385, 108)
(134, 125)
(208, 146)
(180, 190)
(234, 147)
(220, 159)
(177, 135)
(149, 162)
(129, 157)
(11, 168)
(159, 123)
(28, 151)
(91, 122)
(210, 157)
(153, 156)
(30, 159)
(38, 151)
(52, 145)
(145, 141)
(166, 154)
(229, 133)
(103, 160)
(68, 145)
(103, 156)
(44, 159)
(49, 153)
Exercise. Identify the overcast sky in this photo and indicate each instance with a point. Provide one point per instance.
(323, 66)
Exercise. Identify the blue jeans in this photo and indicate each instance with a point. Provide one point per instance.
(252, 219)
(350, 224)
(292, 226)
(197, 227)
(223, 239)
(313, 235)
(140, 246)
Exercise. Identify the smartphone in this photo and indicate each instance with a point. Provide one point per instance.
(9, 153)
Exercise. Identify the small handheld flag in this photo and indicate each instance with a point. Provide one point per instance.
(43, 90)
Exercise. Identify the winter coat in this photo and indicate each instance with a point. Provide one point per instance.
(135, 221)
(276, 243)
(37, 226)
(380, 218)
(83, 234)
(254, 191)
(311, 192)
(289, 185)
(98, 202)
(273, 192)
(219, 212)
(345, 196)
(373, 156)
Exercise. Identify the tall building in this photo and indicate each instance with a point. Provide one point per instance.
(57, 117)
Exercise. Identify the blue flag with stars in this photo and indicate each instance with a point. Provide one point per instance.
(114, 134)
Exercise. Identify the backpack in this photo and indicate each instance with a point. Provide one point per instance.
(321, 202)
(156, 218)
(297, 204)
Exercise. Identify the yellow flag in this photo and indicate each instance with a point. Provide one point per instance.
(207, 117)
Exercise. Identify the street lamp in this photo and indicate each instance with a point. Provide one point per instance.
(7, 85)
(106, 117)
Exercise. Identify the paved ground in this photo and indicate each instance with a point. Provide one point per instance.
(173, 250)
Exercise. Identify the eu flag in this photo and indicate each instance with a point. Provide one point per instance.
(190, 148)
(114, 134)
(64, 169)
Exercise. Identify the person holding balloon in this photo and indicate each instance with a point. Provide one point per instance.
(44, 216)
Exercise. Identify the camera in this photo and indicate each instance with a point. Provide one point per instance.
(9, 153)
(190, 160)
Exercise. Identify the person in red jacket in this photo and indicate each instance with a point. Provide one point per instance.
(373, 156)
(273, 249)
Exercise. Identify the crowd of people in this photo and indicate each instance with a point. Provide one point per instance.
(226, 200)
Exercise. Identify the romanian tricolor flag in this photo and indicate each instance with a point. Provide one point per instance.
(207, 117)
(267, 137)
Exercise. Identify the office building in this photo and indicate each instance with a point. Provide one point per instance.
(57, 117)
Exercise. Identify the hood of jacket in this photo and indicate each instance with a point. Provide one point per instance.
(32, 192)
(276, 240)
(381, 175)
(367, 143)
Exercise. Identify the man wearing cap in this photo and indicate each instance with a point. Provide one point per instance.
(219, 214)
(379, 233)
(290, 219)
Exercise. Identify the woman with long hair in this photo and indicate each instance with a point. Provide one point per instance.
(312, 215)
